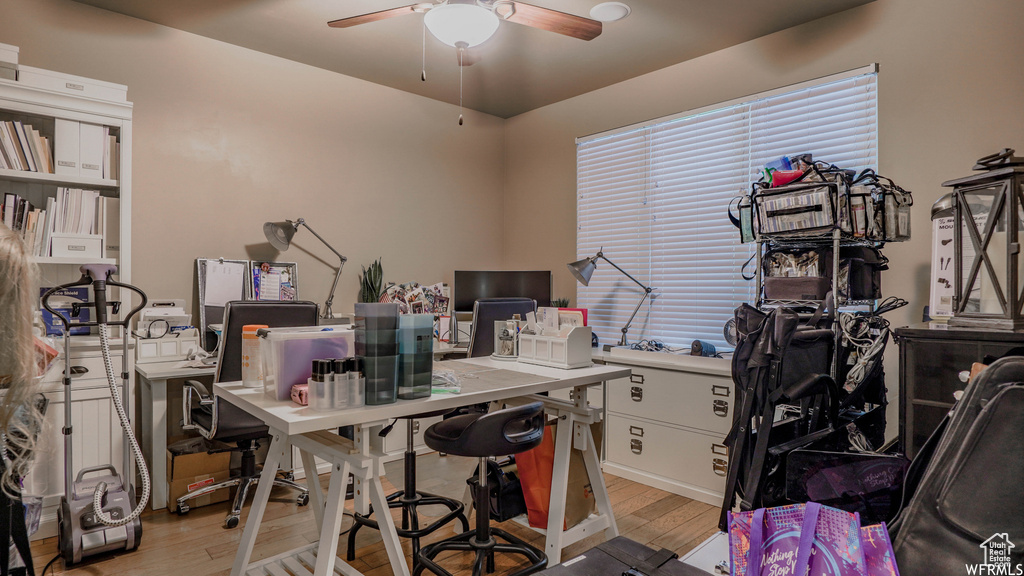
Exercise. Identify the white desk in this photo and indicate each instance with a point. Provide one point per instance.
(484, 380)
(153, 379)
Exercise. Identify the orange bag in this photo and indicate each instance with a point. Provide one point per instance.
(535, 468)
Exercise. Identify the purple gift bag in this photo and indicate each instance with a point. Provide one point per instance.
(879, 559)
(795, 540)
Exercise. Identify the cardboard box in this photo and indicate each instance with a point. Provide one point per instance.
(189, 467)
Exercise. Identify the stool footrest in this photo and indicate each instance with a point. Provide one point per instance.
(466, 542)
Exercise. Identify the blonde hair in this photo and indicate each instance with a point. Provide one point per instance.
(20, 419)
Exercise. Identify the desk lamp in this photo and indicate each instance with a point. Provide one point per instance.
(280, 234)
(583, 270)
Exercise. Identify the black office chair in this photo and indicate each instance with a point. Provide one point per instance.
(499, 433)
(488, 310)
(223, 421)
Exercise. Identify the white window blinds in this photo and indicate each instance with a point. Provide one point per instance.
(653, 198)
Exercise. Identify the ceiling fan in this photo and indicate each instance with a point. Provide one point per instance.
(467, 23)
(464, 24)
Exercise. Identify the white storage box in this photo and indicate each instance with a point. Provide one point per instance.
(8, 62)
(69, 84)
(287, 354)
(76, 245)
(170, 347)
(571, 350)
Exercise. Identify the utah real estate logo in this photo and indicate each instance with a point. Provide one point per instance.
(998, 561)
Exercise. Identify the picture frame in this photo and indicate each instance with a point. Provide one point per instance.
(273, 281)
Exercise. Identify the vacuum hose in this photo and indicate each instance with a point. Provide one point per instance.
(101, 488)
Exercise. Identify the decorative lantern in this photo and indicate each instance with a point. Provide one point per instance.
(989, 212)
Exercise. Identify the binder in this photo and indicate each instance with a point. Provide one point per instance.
(65, 146)
(90, 151)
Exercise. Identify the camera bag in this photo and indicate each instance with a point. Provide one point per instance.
(806, 273)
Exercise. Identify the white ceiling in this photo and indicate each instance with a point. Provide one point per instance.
(520, 68)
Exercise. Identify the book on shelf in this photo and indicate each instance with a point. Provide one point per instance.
(26, 152)
(44, 247)
(7, 146)
(32, 143)
(10, 207)
(12, 137)
(111, 152)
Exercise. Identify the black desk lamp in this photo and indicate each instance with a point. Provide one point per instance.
(583, 270)
(280, 234)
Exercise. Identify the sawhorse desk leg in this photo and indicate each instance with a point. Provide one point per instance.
(278, 445)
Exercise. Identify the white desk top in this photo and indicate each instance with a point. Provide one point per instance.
(483, 380)
(174, 369)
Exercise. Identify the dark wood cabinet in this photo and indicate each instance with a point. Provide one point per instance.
(931, 358)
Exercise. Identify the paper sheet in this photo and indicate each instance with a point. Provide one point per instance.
(270, 286)
(225, 281)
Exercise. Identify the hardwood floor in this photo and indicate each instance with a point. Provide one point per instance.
(199, 545)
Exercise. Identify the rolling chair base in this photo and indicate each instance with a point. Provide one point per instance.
(467, 542)
(244, 483)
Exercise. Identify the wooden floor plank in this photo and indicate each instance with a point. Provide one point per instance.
(197, 544)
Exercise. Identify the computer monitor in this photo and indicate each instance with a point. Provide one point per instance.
(471, 285)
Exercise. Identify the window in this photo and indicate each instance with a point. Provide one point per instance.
(654, 196)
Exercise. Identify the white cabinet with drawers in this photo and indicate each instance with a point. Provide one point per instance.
(665, 424)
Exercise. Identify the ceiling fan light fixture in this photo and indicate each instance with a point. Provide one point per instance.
(454, 23)
(609, 11)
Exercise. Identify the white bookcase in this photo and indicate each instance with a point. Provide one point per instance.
(97, 434)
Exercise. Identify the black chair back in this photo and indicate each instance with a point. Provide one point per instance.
(241, 313)
(488, 310)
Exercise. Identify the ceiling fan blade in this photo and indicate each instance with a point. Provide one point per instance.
(554, 21)
(372, 16)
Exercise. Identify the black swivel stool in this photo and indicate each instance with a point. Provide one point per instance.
(409, 499)
(500, 433)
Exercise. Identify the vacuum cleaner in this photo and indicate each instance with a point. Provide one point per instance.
(98, 511)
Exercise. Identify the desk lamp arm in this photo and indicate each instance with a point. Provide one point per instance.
(624, 273)
(327, 312)
(647, 291)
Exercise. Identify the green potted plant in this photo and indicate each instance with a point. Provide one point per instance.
(370, 282)
(560, 302)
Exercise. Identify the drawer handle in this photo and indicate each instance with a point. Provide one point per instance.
(636, 393)
(720, 390)
(720, 408)
(636, 431)
(636, 378)
(720, 449)
(636, 445)
(721, 467)
(79, 370)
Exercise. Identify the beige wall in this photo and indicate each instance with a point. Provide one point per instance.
(951, 89)
(227, 138)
